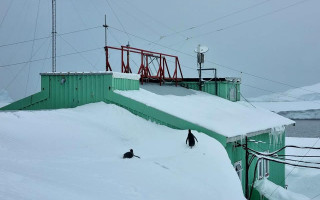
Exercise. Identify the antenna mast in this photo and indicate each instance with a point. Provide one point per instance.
(54, 32)
(105, 30)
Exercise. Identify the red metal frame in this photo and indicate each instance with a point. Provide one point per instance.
(163, 73)
(108, 67)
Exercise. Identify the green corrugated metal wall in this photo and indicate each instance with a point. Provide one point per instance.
(224, 88)
(78, 89)
(277, 171)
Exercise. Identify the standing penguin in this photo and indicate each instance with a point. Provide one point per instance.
(190, 139)
(129, 154)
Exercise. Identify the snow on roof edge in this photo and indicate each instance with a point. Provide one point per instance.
(114, 74)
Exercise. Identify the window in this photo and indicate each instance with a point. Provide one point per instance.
(266, 168)
(233, 93)
(260, 169)
(263, 169)
(238, 168)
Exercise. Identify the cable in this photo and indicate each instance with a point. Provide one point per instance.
(41, 38)
(249, 20)
(34, 36)
(219, 18)
(299, 156)
(62, 55)
(78, 52)
(5, 14)
(119, 20)
(20, 70)
(247, 100)
(294, 167)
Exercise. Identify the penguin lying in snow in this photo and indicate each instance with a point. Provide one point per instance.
(129, 154)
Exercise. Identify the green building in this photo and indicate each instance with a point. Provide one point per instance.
(216, 111)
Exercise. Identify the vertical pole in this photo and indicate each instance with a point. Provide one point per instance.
(105, 41)
(128, 54)
(216, 81)
(105, 30)
(54, 32)
(247, 170)
(200, 84)
(122, 63)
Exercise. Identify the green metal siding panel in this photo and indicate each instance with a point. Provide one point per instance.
(224, 88)
(277, 171)
(125, 84)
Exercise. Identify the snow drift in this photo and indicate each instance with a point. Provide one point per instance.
(77, 154)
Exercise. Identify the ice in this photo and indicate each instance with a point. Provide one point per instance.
(276, 134)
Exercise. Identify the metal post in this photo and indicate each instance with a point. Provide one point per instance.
(122, 63)
(128, 54)
(105, 30)
(200, 84)
(247, 170)
(54, 32)
(216, 81)
(105, 41)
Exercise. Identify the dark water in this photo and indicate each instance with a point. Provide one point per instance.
(309, 128)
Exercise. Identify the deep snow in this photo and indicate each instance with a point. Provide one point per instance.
(217, 114)
(77, 154)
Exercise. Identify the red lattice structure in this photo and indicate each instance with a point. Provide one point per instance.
(163, 72)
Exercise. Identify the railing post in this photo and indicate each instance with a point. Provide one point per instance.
(122, 59)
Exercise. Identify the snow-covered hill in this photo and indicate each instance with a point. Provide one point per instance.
(299, 103)
(5, 98)
(77, 154)
(307, 93)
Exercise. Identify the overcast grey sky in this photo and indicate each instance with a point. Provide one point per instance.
(265, 38)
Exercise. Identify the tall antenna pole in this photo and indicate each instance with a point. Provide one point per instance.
(105, 43)
(105, 30)
(54, 32)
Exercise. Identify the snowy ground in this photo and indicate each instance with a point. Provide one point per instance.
(304, 180)
(77, 154)
(299, 103)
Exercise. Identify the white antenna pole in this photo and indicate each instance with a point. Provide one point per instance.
(54, 32)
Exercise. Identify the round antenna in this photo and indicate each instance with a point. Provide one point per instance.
(201, 49)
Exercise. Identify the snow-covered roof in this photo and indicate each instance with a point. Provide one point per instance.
(114, 74)
(214, 113)
(81, 158)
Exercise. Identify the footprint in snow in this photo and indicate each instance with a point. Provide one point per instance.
(163, 166)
